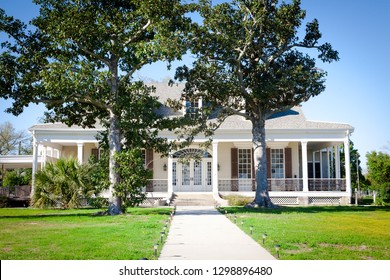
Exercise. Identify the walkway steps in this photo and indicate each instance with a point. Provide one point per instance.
(193, 199)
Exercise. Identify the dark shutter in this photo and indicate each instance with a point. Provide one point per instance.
(234, 157)
(234, 165)
(288, 162)
(268, 152)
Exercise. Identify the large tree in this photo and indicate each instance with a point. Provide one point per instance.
(79, 58)
(252, 63)
(12, 141)
(378, 164)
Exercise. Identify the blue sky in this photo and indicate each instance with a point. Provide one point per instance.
(357, 88)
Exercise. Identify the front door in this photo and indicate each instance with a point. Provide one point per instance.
(192, 176)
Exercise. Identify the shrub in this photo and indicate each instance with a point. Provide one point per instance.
(98, 202)
(17, 178)
(238, 200)
(4, 202)
(133, 178)
(11, 179)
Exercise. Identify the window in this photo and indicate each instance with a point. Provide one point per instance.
(277, 163)
(192, 108)
(245, 163)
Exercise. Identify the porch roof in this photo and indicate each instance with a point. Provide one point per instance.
(17, 161)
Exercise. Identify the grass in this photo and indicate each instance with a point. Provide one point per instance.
(320, 233)
(32, 234)
(304, 233)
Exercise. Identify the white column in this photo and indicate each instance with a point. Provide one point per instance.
(328, 161)
(314, 164)
(337, 162)
(80, 148)
(215, 168)
(34, 164)
(332, 175)
(305, 173)
(347, 165)
(170, 174)
(322, 175)
(43, 156)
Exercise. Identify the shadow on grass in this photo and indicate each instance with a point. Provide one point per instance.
(95, 214)
(304, 209)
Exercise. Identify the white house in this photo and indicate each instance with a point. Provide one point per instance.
(304, 164)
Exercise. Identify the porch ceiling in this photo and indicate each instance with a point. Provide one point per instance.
(316, 146)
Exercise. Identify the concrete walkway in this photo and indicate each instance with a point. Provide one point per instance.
(202, 233)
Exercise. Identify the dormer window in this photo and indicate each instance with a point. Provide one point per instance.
(192, 108)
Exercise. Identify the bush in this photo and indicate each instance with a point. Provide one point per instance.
(11, 179)
(4, 202)
(133, 178)
(238, 200)
(17, 178)
(98, 202)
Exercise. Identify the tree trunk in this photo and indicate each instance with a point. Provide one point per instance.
(114, 140)
(262, 198)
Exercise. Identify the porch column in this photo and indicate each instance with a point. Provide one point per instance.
(305, 173)
(314, 165)
(347, 165)
(215, 167)
(170, 174)
(337, 162)
(329, 161)
(80, 148)
(34, 164)
(44, 157)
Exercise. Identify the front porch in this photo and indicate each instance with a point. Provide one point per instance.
(281, 191)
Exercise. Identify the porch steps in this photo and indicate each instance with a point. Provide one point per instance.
(193, 199)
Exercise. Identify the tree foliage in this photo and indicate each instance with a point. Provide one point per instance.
(378, 164)
(251, 62)
(79, 58)
(354, 166)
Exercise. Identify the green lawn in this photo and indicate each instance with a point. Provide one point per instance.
(320, 233)
(32, 234)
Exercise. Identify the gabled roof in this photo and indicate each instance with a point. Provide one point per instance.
(291, 119)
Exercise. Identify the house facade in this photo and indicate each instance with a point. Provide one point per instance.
(304, 162)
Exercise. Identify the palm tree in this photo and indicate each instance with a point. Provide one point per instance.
(64, 183)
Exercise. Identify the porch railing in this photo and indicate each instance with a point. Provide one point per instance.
(157, 185)
(236, 185)
(249, 185)
(327, 185)
(285, 185)
(21, 192)
(282, 185)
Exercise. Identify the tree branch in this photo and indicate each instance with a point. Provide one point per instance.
(106, 61)
(138, 33)
(75, 99)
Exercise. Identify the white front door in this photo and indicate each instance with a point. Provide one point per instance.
(193, 176)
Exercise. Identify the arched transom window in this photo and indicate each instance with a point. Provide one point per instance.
(192, 153)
